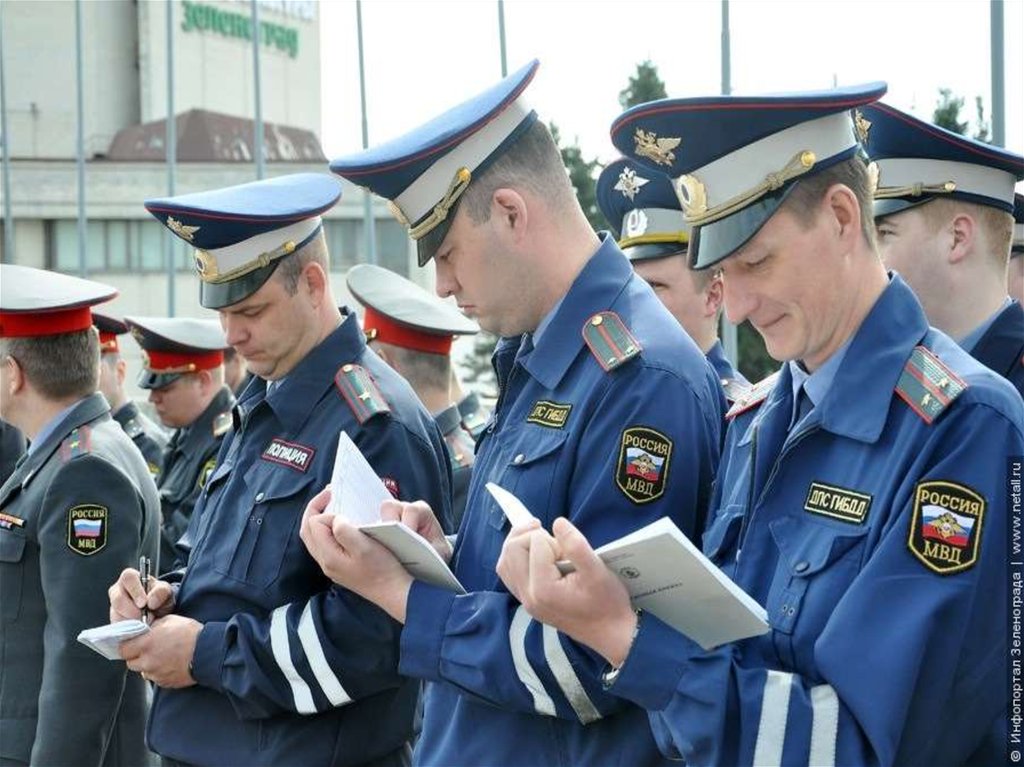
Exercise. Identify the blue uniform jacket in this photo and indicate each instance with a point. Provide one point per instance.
(292, 669)
(565, 438)
(887, 611)
(1002, 346)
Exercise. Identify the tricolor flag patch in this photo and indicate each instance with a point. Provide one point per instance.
(945, 529)
(642, 468)
(87, 528)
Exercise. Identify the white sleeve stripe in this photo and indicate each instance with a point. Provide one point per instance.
(282, 654)
(542, 702)
(322, 670)
(771, 730)
(824, 725)
(561, 667)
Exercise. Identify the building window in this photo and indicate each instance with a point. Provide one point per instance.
(347, 247)
(115, 246)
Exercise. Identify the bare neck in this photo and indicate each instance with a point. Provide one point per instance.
(35, 412)
(972, 294)
(564, 248)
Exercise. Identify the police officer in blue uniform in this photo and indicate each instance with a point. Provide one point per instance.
(147, 436)
(607, 413)
(944, 214)
(79, 507)
(412, 331)
(647, 220)
(184, 374)
(862, 496)
(258, 657)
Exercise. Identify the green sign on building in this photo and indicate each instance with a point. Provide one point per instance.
(200, 17)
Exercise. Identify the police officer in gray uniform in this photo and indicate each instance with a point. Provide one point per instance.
(184, 374)
(79, 508)
(147, 436)
(412, 331)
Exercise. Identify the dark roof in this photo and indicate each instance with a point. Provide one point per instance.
(205, 136)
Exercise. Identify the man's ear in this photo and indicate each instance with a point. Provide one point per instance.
(963, 231)
(714, 295)
(120, 372)
(315, 280)
(510, 208)
(16, 376)
(841, 203)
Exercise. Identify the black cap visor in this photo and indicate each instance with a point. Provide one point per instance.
(150, 380)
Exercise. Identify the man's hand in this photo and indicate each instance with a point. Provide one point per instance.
(419, 518)
(127, 597)
(591, 605)
(352, 559)
(163, 654)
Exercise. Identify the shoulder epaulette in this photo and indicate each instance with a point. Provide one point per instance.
(609, 340)
(753, 396)
(460, 447)
(360, 392)
(735, 389)
(222, 424)
(133, 428)
(78, 442)
(928, 386)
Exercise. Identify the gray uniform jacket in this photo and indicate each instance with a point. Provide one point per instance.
(147, 436)
(188, 462)
(74, 514)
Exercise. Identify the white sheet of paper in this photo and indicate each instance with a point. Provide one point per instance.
(106, 640)
(356, 490)
(415, 553)
(515, 511)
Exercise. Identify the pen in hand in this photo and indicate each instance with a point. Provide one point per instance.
(144, 576)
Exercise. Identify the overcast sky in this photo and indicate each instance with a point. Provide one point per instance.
(422, 56)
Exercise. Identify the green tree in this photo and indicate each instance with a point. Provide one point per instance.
(582, 175)
(754, 361)
(947, 115)
(645, 85)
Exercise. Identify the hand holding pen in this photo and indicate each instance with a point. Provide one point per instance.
(144, 565)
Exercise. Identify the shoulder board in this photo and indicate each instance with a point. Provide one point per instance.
(360, 392)
(927, 385)
(222, 424)
(754, 395)
(460, 448)
(78, 442)
(133, 428)
(735, 389)
(609, 340)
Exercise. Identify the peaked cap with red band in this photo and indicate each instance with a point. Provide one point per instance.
(176, 345)
(401, 313)
(37, 302)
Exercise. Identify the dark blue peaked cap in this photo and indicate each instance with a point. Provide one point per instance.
(425, 171)
(918, 161)
(734, 159)
(241, 232)
(643, 211)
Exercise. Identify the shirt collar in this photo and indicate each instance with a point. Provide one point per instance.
(595, 288)
(50, 427)
(969, 341)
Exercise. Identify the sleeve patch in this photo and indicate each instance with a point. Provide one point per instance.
(87, 528)
(610, 341)
(641, 472)
(360, 392)
(945, 527)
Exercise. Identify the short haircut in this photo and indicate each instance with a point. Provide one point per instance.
(532, 163)
(290, 268)
(59, 367)
(996, 225)
(803, 200)
(423, 370)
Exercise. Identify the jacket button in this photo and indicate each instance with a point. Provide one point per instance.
(802, 567)
(519, 459)
(259, 497)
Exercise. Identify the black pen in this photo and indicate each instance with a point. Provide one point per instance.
(144, 575)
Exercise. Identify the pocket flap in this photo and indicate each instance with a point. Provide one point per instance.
(535, 444)
(807, 546)
(12, 546)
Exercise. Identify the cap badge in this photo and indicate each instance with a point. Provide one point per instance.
(636, 223)
(862, 124)
(629, 183)
(206, 265)
(183, 231)
(692, 195)
(659, 150)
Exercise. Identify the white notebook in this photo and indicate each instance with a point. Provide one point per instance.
(669, 577)
(357, 493)
(106, 640)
